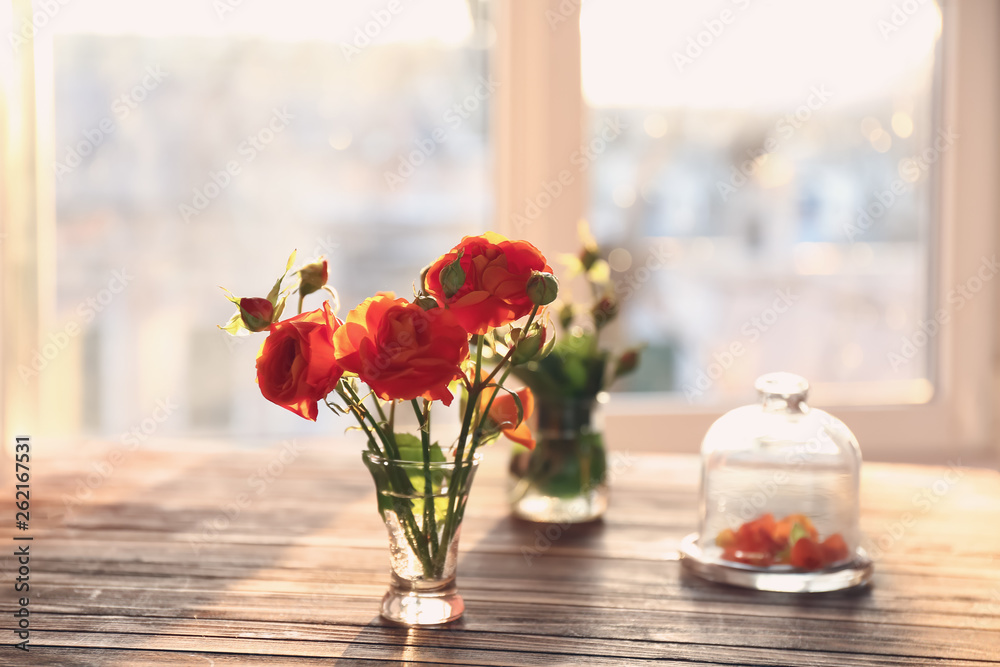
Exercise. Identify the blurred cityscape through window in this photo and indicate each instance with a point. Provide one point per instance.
(198, 148)
(764, 179)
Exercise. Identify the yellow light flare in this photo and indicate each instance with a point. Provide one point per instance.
(902, 124)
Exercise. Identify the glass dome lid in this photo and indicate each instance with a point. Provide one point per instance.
(778, 504)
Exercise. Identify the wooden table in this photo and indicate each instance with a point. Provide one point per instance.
(278, 557)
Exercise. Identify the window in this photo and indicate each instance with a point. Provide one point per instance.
(730, 156)
(779, 187)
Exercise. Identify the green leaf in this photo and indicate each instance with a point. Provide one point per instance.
(272, 296)
(288, 264)
(520, 407)
(279, 308)
(229, 295)
(453, 277)
(234, 325)
(411, 449)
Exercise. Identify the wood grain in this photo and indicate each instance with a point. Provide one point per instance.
(223, 557)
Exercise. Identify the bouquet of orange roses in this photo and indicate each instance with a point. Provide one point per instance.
(481, 299)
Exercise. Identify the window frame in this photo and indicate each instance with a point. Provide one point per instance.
(541, 118)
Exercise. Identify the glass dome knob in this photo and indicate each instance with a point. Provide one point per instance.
(782, 390)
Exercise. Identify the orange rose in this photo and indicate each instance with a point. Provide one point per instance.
(503, 413)
(401, 350)
(496, 276)
(296, 366)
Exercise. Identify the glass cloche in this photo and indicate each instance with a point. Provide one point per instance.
(779, 496)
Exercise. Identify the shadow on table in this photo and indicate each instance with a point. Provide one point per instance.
(496, 561)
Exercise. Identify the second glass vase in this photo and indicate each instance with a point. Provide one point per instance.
(564, 479)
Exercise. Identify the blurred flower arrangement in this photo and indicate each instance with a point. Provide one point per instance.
(483, 298)
(565, 478)
(578, 366)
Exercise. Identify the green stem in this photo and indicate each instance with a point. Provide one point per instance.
(372, 445)
(503, 378)
(302, 298)
(401, 482)
(430, 522)
(456, 476)
(388, 420)
(387, 443)
(461, 474)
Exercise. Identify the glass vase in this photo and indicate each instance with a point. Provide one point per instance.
(422, 505)
(564, 479)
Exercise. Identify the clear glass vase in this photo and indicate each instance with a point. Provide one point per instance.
(779, 496)
(422, 506)
(564, 479)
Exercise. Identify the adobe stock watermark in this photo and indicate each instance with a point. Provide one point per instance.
(121, 108)
(224, 7)
(365, 34)
(783, 130)
(912, 169)
(581, 158)
(900, 15)
(218, 181)
(257, 484)
(426, 147)
(703, 40)
(957, 297)
(28, 30)
(751, 330)
(128, 442)
(923, 502)
(86, 311)
(546, 537)
(563, 13)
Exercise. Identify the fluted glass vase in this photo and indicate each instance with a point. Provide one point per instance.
(422, 505)
(564, 479)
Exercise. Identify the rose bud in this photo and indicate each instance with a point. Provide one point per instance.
(313, 277)
(528, 347)
(256, 313)
(604, 311)
(588, 256)
(627, 363)
(542, 288)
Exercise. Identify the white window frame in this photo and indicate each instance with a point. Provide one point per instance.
(541, 119)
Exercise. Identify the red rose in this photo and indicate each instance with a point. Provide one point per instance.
(296, 366)
(401, 350)
(494, 290)
(503, 413)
